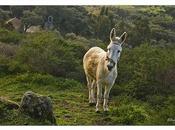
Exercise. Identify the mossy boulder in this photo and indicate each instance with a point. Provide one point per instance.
(37, 106)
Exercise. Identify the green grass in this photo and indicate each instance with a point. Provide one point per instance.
(70, 103)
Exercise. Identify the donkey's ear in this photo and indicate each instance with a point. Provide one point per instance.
(123, 37)
(112, 34)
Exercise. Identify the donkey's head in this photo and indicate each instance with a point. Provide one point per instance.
(114, 49)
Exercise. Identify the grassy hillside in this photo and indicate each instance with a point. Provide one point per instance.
(70, 102)
(49, 62)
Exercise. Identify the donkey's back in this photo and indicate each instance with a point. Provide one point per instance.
(91, 60)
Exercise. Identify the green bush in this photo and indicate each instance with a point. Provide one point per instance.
(10, 36)
(131, 114)
(45, 52)
(142, 70)
(165, 114)
(7, 52)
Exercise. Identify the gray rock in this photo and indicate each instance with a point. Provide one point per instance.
(37, 106)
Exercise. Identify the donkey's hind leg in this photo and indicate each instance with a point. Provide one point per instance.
(90, 84)
(92, 93)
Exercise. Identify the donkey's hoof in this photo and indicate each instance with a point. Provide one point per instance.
(92, 104)
(106, 110)
(97, 111)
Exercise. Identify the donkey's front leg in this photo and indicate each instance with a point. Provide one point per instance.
(106, 97)
(99, 95)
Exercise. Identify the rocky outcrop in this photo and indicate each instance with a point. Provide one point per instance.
(37, 106)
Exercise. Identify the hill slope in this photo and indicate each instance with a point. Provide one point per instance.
(70, 103)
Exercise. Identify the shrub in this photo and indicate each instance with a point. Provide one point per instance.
(165, 114)
(44, 52)
(143, 70)
(71, 36)
(7, 53)
(10, 36)
(7, 50)
(130, 114)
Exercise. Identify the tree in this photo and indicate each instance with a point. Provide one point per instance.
(30, 18)
(4, 15)
(141, 31)
(67, 19)
(102, 23)
(17, 11)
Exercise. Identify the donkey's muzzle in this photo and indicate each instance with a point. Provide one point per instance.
(110, 67)
(110, 64)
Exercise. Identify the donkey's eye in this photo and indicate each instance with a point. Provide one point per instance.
(118, 51)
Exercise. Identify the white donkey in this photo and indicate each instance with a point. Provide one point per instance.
(101, 68)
